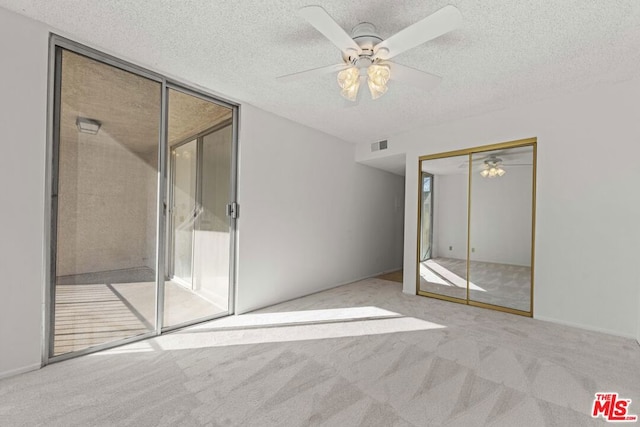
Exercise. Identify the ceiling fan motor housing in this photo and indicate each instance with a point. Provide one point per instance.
(366, 36)
(493, 161)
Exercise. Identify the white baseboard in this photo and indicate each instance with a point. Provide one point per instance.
(18, 371)
(585, 327)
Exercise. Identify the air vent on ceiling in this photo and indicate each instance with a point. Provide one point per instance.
(380, 145)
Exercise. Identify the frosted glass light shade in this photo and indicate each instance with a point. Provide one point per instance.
(378, 77)
(376, 91)
(348, 77)
(351, 92)
(492, 172)
(379, 74)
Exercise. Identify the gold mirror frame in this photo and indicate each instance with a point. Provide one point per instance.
(532, 142)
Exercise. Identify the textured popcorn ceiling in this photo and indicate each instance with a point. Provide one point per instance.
(506, 53)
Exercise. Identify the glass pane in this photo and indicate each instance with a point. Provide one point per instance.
(184, 209)
(443, 267)
(106, 217)
(500, 234)
(213, 234)
(199, 251)
(427, 217)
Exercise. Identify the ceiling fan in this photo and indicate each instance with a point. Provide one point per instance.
(365, 55)
(491, 166)
(493, 159)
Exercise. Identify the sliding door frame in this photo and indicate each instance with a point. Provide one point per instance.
(528, 142)
(56, 45)
(232, 195)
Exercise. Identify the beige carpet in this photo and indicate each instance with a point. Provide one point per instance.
(363, 354)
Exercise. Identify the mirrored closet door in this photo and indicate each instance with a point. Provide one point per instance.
(476, 226)
(500, 228)
(443, 228)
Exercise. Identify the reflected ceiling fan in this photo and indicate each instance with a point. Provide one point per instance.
(365, 55)
(491, 166)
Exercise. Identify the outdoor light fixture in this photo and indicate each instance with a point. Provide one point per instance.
(349, 81)
(89, 126)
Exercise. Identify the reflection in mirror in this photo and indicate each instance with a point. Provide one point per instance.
(443, 227)
(500, 227)
(426, 237)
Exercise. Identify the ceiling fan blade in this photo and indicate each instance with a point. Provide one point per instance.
(413, 77)
(438, 23)
(312, 73)
(320, 19)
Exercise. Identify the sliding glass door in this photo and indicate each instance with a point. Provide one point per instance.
(197, 284)
(142, 174)
(105, 204)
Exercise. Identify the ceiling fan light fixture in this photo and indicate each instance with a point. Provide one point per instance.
(492, 171)
(348, 77)
(349, 82)
(351, 92)
(376, 90)
(492, 168)
(379, 74)
(378, 77)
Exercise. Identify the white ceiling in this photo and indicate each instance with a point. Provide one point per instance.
(506, 53)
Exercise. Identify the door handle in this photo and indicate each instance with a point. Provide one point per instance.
(233, 210)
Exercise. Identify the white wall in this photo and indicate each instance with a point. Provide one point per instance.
(23, 107)
(310, 218)
(587, 230)
(98, 176)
